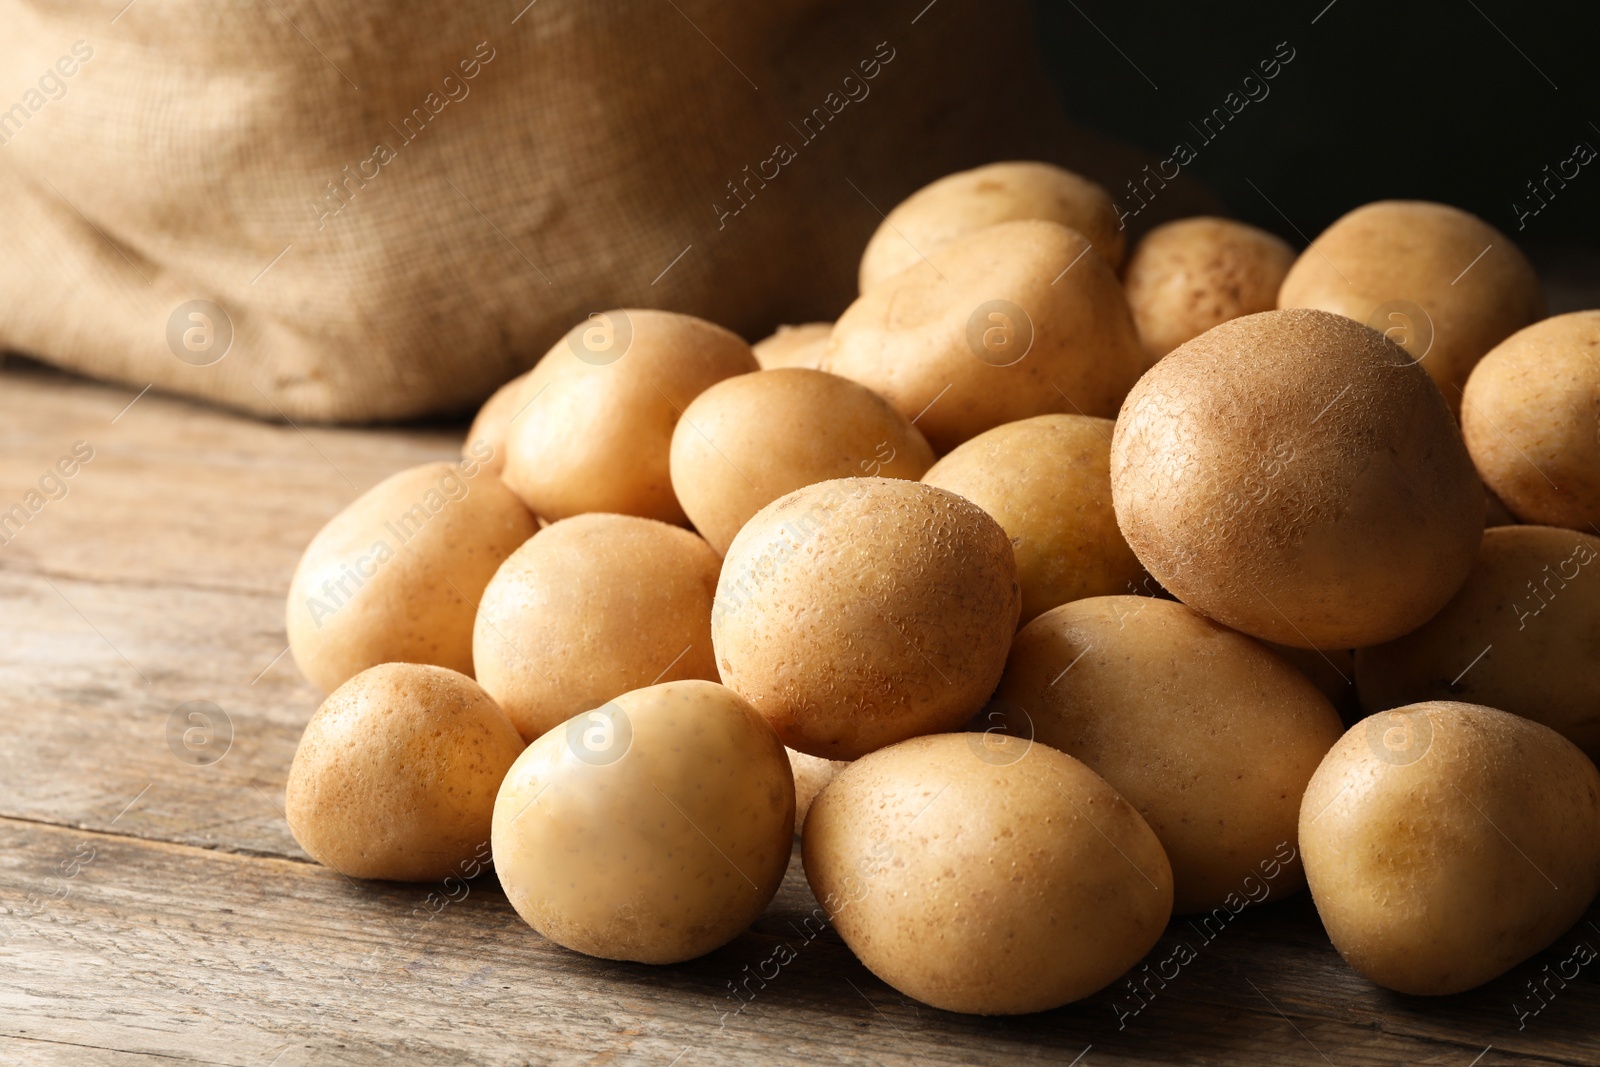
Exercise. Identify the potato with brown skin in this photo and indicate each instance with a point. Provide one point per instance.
(593, 607)
(794, 346)
(487, 434)
(396, 575)
(1187, 276)
(1331, 670)
(1445, 843)
(962, 203)
(1531, 417)
(992, 877)
(862, 611)
(1014, 320)
(1047, 482)
(811, 776)
(396, 775)
(1522, 635)
(1296, 476)
(597, 427)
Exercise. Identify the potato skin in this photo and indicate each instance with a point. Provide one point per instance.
(1297, 477)
(993, 878)
(811, 775)
(1445, 843)
(862, 611)
(487, 434)
(794, 346)
(396, 774)
(1522, 635)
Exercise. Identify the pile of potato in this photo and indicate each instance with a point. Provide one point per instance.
(683, 598)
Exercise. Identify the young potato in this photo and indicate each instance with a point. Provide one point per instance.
(746, 441)
(1445, 843)
(1331, 670)
(794, 346)
(1011, 321)
(862, 611)
(995, 877)
(594, 606)
(487, 434)
(1187, 276)
(1296, 476)
(1208, 734)
(962, 203)
(1047, 482)
(1531, 417)
(1440, 282)
(602, 403)
(1522, 635)
(396, 775)
(396, 575)
(811, 775)
(654, 829)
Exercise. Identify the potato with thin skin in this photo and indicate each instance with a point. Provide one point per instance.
(811, 776)
(490, 426)
(794, 346)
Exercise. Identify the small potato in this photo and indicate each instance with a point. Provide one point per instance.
(1187, 276)
(959, 204)
(1531, 416)
(396, 575)
(486, 437)
(1207, 733)
(811, 776)
(1331, 670)
(748, 440)
(860, 612)
(397, 772)
(994, 876)
(653, 829)
(1523, 635)
(1047, 482)
(594, 606)
(602, 403)
(1011, 321)
(1446, 843)
(794, 346)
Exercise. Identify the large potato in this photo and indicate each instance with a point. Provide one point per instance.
(748, 440)
(396, 575)
(1014, 320)
(860, 612)
(794, 346)
(1296, 476)
(993, 877)
(1445, 843)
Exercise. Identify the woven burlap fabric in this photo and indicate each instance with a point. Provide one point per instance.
(398, 206)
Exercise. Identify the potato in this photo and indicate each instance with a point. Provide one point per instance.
(655, 828)
(1047, 482)
(487, 434)
(602, 405)
(1187, 276)
(594, 606)
(396, 775)
(1015, 320)
(396, 575)
(993, 878)
(1445, 843)
(1523, 635)
(746, 441)
(1440, 282)
(1531, 417)
(811, 776)
(794, 346)
(1295, 476)
(860, 612)
(1207, 733)
(960, 204)
(1331, 670)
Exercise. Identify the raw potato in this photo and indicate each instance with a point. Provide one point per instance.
(1445, 843)
(654, 829)
(1531, 417)
(1383, 263)
(959, 204)
(794, 346)
(746, 441)
(396, 575)
(1331, 670)
(1295, 476)
(1206, 732)
(597, 428)
(1047, 482)
(994, 877)
(396, 775)
(811, 776)
(594, 606)
(1523, 635)
(1187, 276)
(487, 434)
(860, 612)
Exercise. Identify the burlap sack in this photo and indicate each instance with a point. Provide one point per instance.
(398, 206)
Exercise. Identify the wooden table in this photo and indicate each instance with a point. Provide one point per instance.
(154, 907)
